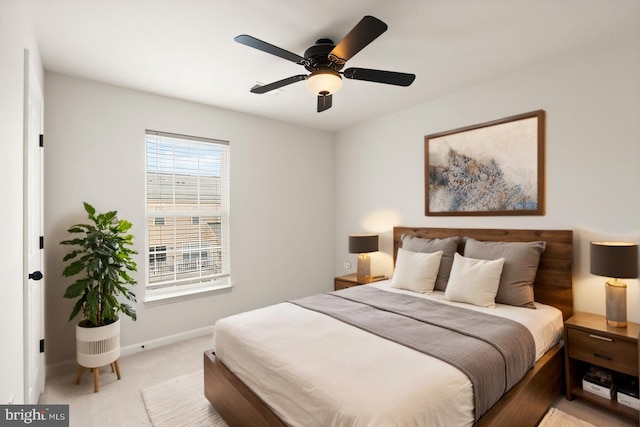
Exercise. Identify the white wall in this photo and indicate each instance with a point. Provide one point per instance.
(15, 36)
(282, 201)
(592, 103)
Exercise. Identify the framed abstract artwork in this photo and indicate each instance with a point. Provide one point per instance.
(494, 168)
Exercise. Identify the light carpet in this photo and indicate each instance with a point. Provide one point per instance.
(556, 418)
(181, 402)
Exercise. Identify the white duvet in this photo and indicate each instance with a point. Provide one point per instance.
(314, 370)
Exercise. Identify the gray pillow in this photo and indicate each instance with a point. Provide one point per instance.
(520, 266)
(448, 247)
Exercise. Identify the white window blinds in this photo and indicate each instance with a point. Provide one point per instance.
(187, 199)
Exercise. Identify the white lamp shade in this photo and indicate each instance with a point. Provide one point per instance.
(324, 81)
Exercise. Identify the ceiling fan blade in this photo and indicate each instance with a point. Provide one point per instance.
(269, 48)
(324, 102)
(365, 31)
(275, 85)
(380, 76)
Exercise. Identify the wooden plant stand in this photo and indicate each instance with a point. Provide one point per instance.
(96, 374)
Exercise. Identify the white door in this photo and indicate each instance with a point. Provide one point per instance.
(34, 371)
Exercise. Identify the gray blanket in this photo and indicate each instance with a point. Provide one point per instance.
(493, 352)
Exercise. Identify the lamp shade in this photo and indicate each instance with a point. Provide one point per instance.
(614, 259)
(363, 243)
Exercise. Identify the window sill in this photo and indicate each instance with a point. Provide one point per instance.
(167, 296)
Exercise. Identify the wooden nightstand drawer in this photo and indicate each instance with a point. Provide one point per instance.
(344, 282)
(604, 350)
(341, 284)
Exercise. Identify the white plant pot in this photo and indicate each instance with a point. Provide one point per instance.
(96, 347)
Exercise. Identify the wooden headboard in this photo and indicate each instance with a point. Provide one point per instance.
(553, 285)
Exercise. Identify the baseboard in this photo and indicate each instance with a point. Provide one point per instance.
(70, 365)
(161, 342)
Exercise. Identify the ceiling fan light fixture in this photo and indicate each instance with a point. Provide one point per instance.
(322, 81)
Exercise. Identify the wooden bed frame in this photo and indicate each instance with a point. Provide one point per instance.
(524, 405)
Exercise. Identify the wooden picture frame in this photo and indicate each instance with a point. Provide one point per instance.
(489, 169)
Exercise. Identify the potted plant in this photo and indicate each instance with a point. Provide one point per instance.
(102, 257)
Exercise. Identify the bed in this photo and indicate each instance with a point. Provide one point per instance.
(241, 383)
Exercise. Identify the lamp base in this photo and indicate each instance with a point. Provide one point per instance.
(616, 292)
(363, 273)
(616, 324)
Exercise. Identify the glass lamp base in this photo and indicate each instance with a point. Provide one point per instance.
(363, 273)
(616, 324)
(616, 293)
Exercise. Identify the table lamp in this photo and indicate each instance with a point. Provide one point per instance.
(617, 260)
(362, 244)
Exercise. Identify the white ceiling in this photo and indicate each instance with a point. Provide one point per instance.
(185, 48)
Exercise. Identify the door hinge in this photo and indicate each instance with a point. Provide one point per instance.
(41, 140)
(41, 242)
(42, 346)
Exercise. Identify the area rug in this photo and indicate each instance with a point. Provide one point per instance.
(556, 418)
(180, 402)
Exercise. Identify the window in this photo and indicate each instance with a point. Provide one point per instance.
(194, 251)
(195, 220)
(157, 260)
(158, 254)
(187, 196)
(159, 220)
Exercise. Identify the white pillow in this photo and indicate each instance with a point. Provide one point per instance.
(474, 281)
(416, 271)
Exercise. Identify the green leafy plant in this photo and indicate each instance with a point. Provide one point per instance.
(103, 257)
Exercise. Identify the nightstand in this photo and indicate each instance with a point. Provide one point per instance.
(588, 340)
(343, 282)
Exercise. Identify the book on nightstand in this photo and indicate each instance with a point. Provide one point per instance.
(628, 393)
(599, 381)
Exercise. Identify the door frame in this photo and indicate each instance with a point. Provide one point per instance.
(33, 358)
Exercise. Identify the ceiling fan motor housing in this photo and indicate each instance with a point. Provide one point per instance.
(318, 56)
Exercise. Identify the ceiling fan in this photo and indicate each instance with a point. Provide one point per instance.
(325, 60)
